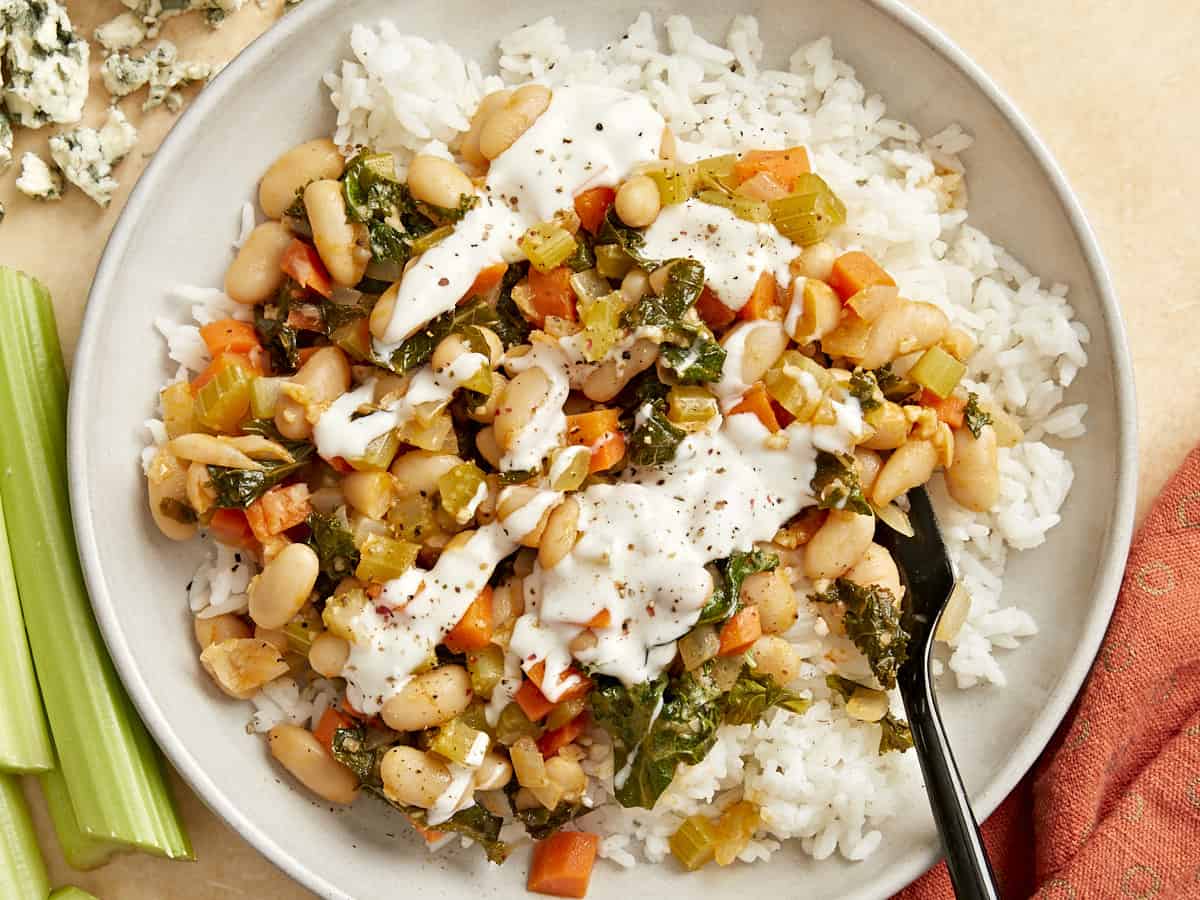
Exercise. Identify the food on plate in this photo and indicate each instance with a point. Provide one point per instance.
(545, 457)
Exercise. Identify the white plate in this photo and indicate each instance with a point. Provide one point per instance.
(177, 227)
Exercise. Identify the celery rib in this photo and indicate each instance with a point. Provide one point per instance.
(22, 871)
(24, 742)
(111, 767)
(80, 850)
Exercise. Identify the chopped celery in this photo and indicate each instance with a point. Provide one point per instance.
(460, 743)
(411, 518)
(179, 409)
(434, 434)
(384, 558)
(601, 318)
(225, 398)
(569, 467)
(590, 284)
(80, 850)
(486, 668)
(547, 245)
(461, 490)
(354, 338)
(690, 407)
(431, 239)
(110, 764)
(798, 384)
(612, 261)
(22, 871)
(717, 172)
(514, 725)
(341, 610)
(938, 371)
(734, 830)
(748, 208)
(694, 842)
(475, 715)
(303, 630)
(24, 743)
(810, 212)
(264, 396)
(675, 183)
(481, 381)
(698, 646)
(565, 711)
(380, 453)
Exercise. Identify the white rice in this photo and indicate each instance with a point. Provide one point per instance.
(817, 776)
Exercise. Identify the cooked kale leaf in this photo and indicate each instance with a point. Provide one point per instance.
(727, 583)
(339, 315)
(474, 822)
(334, 545)
(894, 735)
(974, 417)
(755, 693)
(614, 231)
(700, 361)
(653, 439)
(377, 199)
(626, 713)
(351, 748)
(539, 821)
(279, 338)
(238, 488)
(873, 623)
(417, 350)
(865, 389)
(510, 326)
(685, 281)
(836, 484)
(843, 686)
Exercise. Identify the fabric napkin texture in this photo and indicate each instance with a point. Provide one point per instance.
(1112, 809)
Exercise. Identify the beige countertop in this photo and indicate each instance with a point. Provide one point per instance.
(1109, 86)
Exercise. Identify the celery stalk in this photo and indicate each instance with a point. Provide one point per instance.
(70, 892)
(81, 851)
(22, 871)
(111, 766)
(24, 742)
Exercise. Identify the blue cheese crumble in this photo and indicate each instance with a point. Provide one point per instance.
(6, 141)
(87, 156)
(38, 180)
(161, 69)
(151, 12)
(45, 61)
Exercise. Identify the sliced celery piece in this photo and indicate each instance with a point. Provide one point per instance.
(798, 384)
(431, 239)
(264, 396)
(601, 318)
(590, 284)
(809, 213)
(690, 406)
(81, 851)
(694, 842)
(612, 261)
(514, 725)
(459, 489)
(486, 667)
(341, 610)
(380, 453)
(22, 871)
(225, 399)
(24, 742)
(938, 371)
(179, 409)
(384, 558)
(674, 183)
(459, 742)
(547, 245)
(569, 467)
(411, 518)
(748, 208)
(110, 764)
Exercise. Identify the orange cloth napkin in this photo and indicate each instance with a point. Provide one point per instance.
(1112, 809)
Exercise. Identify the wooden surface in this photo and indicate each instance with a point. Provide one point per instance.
(1110, 87)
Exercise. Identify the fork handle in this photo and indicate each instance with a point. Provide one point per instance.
(966, 857)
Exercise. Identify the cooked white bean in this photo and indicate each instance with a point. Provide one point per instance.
(820, 313)
(776, 601)
(278, 592)
(838, 544)
(611, 377)
(298, 750)
(311, 161)
(325, 376)
(974, 478)
(523, 395)
(515, 498)
(488, 446)
(903, 327)
(493, 773)
(412, 777)
(760, 348)
(504, 126)
(418, 471)
(869, 463)
(470, 144)
(167, 490)
(381, 312)
(328, 654)
(340, 242)
(430, 699)
(815, 261)
(867, 705)
(876, 567)
(438, 181)
(637, 201)
(370, 493)
(219, 628)
(485, 412)
(255, 274)
(634, 285)
(276, 637)
(890, 426)
(906, 468)
(568, 774)
(776, 657)
(560, 533)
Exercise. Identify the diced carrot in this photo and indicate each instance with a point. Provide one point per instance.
(551, 294)
(601, 619)
(220, 363)
(581, 686)
(607, 452)
(553, 741)
(277, 510)
(741, 630)
(785, 166)
(592, 206)
(331, 720)
(532, 701)
(474, 629)
(302, 263)
(949, 409)
(599, 431)
(229, 336)
(854, 271)
(715, 314)
(764, 299)
(562, 864)
(487, 280)
(758, 401)
(229, 526)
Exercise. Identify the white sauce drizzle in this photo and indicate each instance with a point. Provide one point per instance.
(548, 425)
(730, 388)
(459, 794)
(734, 252)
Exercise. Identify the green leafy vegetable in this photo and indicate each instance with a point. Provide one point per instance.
(584, 257)
(653, 440)
(836, 484)
(238, 488)
(279, 338)
(700, 361)
(873, 624)
(685, 281)
(865, 389)
(626, 713)
(417, 350)
(843, 686)
(892, 385)
(475, 823)
(334, 546)
(351, 748)
(539, 821)
(753, 694)
(339, 315)
(378, 200)
(510, 326)
(895, 735)
(727, 584)
(614, 231)
(974, 417)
